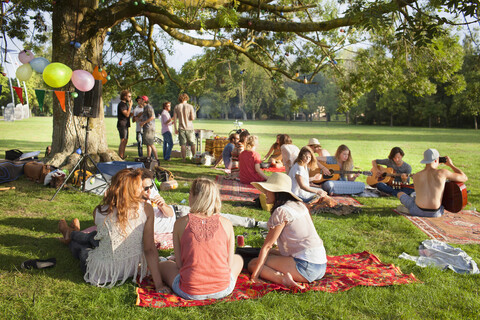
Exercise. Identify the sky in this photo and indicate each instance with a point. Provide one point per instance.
(183, 53)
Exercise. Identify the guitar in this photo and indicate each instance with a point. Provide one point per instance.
(335, 173)
(454, 197)
(387, 176)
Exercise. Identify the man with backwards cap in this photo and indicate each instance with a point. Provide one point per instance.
(429, 186)
(147, 123)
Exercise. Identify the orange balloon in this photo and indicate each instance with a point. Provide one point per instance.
(97, 75)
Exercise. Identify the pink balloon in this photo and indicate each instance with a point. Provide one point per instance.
(25, 56)
(83, 80)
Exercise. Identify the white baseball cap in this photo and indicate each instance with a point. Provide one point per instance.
(430, 155)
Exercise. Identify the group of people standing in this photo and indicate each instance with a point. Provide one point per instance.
(144, 117)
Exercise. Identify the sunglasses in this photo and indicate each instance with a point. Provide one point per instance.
(147, 188)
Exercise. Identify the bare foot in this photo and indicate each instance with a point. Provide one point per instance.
(65, 230)
(75, 225)
(289, 282)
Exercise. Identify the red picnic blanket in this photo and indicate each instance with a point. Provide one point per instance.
(343, 273)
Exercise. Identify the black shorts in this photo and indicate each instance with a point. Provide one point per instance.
(123, 132)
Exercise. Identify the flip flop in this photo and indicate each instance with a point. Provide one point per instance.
(39, 264)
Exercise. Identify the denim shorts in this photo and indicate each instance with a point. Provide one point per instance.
(414, 210)
(216, 295)
(310, 271)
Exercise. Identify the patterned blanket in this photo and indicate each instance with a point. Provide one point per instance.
(459, 228)
(234, 190)
(343, 273)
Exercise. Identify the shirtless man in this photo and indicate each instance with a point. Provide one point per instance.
(429, 185)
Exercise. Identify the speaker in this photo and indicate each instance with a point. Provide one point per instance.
(87, 104)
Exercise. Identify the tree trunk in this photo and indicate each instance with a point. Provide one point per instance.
(69, 130)
(347, 117)
(391, 120)
(475, 119)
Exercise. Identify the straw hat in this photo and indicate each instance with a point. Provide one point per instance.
(313, 142)
(277, 182)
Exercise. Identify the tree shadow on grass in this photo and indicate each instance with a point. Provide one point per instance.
(33, 224)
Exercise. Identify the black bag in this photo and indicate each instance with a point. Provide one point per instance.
(149, 163)
(163, 174)
(13, 154)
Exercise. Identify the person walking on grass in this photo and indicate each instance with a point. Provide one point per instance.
(124, 111)
(137, 113)
(184, 114)
(148, 125)
(167, 130)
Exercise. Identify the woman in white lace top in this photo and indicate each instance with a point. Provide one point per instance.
(300, 256)
(126, 243)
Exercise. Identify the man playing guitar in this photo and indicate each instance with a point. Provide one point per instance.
(429, 186)
(394, 161)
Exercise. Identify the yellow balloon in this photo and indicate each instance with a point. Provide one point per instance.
(57, 74)
(24, 72)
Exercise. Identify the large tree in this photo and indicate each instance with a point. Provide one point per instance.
(283, 37)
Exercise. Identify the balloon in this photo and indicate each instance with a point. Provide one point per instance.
(100, 75)
(24, 72)
(83, 80)
(39, 63)
(57, 74)
(25, 56)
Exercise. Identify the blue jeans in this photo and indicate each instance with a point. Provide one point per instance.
(81, 244)
(343, 187)
(167, 145)
(310, 271)
(388, 189)
(216, 295)
(414, 210)
(139, 142)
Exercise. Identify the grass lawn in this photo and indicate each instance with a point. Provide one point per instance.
(28, 230)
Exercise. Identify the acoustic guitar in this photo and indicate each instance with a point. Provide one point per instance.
(387, 175)
(454, 197)
(335, 173)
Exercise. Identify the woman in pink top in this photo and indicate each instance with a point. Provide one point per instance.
(249, 161)
(204, 243)
(300, 256)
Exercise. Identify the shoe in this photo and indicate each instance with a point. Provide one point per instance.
(261, 225)
(75, 224)
(402, 209)
(39, 264)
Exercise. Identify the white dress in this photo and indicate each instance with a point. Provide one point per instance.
(119, 254)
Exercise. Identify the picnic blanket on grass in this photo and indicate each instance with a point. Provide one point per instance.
(344, 205)
(10, 170)
(272, 169)
(234, 190)
(461, 228)
(343, 273)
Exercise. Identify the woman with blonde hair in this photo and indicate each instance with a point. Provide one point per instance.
(250, 161)
(299, 174)
(205, 265)
(347, 183)
(125, 233)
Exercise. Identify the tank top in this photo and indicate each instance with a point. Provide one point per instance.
(204, 254)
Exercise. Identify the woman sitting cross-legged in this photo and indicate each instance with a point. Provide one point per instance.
(300, 256)
(204, 243)
(347, 183)
(125, 228)
(300, 177)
